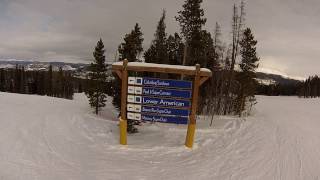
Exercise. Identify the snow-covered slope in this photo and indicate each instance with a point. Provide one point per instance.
(48, 138)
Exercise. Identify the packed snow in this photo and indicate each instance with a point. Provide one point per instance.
(49, 138)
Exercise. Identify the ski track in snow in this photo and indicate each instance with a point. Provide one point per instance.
(49, 138)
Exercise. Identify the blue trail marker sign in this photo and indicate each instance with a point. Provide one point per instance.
(159, 100)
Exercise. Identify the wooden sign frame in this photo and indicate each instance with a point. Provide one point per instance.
(200, 76)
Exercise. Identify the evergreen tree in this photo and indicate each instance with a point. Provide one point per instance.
(97, 79)
(23, 81)
(49, 81)
(175, 49)
(157, 53)
(246, 78)
(191, 20)
(310, 88)
(17, 79)
(2, 80)
(131, 48)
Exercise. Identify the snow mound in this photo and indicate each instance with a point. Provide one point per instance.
(49, 138)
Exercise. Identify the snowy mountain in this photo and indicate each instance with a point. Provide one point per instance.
(268, 79)
(41, 66)
(270, 76)
(264, 76)
(280, 73)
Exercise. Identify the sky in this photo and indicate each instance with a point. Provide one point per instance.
(68, 30)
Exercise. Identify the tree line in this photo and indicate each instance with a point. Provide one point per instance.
(310, 88)
(50, 83)
(228, 91)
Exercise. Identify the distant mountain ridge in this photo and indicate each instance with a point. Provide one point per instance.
(28, 62)
(276, 79)
(267, 77)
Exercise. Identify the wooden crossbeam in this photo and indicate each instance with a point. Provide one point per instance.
(161, 68)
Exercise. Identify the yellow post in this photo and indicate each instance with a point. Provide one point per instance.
(123, 132)
(123, 118)
(192, 121)
(190, 135)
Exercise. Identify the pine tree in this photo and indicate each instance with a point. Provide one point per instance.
(157, 53)
(131, 48)
(97, 79)
(17, 79)
(191, 20)
(175, 49)
(249, 62)
(2, 80)
(49, 82)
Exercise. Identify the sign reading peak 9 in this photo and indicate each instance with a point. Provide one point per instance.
(159, 100)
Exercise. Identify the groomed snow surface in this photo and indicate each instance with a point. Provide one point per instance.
(55, 139)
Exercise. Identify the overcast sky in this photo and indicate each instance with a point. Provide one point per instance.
(288, 31)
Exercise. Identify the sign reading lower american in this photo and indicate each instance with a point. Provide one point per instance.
(158, 101)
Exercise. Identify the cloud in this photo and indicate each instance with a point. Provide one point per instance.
(287, 30)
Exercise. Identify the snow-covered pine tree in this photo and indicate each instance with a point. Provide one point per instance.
(97, 78)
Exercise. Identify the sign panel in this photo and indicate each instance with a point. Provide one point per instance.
(165, 111)
(165, 119)
(167, 83)
(157, 110)
(164, 102)
(166, 92)
(150, 91)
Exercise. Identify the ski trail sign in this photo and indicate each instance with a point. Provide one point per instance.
(159, 100)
